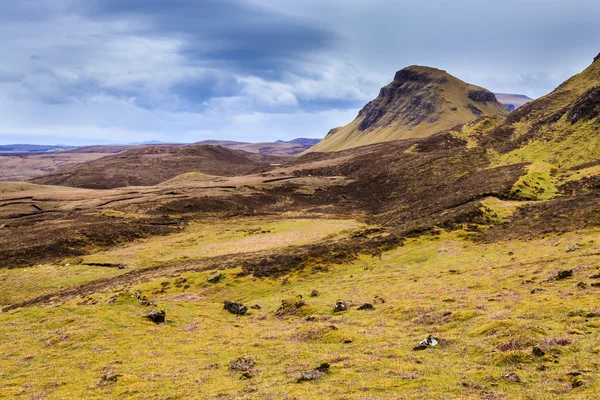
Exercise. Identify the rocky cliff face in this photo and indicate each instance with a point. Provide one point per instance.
(419, 102)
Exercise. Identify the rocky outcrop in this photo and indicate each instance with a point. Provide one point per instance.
(587, 106)
(597, 57)
(409, 75)
(481, 96)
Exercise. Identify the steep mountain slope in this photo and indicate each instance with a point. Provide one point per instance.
(419, 102)
(561, 128)
(155, 164)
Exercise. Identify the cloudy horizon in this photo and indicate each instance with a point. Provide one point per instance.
(109, 71)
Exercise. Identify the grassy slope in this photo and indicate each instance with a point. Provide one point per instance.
(476, 297)
(199, 240)
(453, 93)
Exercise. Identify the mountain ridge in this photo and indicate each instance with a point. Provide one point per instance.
(419, 102)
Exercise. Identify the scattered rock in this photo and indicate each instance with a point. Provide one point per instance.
(340, 306)
(567, 273)
(582, 285)
(597, 276)
(574, 378)
(157, 317)
(512, 377)
(311, 318)
(378, 300)
(510, 253)
(347, 341)
(256, 307)
(366, 306)
(429, 341)
(215, 278)
(595, 284)
(290, 306)
(538, 352)
(314, 374)
(246, 375)
(235, 308)
(453, 108)
(573, 247)
(314, 293)
(110, 377)
(333, 327)
(242, 364)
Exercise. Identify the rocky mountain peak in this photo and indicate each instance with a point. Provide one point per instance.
(420, 74)
(597, 57)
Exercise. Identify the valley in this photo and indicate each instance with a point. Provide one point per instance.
(401, 257)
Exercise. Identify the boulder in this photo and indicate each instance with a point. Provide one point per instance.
(215, 278)
(340, 306)
(235, 308)
(366, 306)
(156, 316)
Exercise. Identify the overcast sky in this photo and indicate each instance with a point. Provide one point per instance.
(117, 71)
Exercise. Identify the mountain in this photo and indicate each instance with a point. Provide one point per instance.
(305, 141)
(151, 165)
(419, 102)
(512, 101)
(32, 148)
(561, 128)
(278, 148)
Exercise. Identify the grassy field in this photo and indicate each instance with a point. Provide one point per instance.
(199, 240)
(489, 304)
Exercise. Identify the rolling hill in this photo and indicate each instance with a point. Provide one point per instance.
(151, 165)
(413, 267)
(419, 102)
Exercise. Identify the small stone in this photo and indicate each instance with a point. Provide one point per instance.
(567, 273)
(235, 308)
(242, 364)
(157, 317)
(340, 306)
(512, 377)
(314, 374)
(366, 306)
(215, 278)
(110, 377)
(538, 352)
(573, 247)
(582, 285)
(595, 284)
(246, 375)
(510, 253)
(256, 307)
(314, 293)
(347, 341)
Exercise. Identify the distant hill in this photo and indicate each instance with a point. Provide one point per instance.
(419, 102)
(150, 165)
(512, 101)
(32, 148)
(279, 148)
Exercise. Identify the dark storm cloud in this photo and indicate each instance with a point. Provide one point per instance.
(186, 70)
(228, 34)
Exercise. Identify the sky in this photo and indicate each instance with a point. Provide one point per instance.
(118, 71)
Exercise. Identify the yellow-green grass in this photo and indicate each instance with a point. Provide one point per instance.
(213, 238)
(477, 298)
(209, 238)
